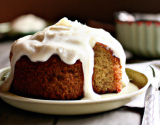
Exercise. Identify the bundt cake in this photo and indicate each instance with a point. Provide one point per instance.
(66, 61)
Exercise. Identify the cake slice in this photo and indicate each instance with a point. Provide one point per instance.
(66, 61)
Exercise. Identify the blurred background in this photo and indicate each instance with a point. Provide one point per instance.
(82, 10)
(95, 13)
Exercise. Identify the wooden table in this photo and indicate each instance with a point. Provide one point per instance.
(11, 115)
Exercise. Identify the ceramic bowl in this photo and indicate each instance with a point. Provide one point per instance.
(139, 33)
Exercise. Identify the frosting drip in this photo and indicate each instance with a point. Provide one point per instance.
(71, 41)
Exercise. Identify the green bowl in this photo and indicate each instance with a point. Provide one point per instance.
(140, 34)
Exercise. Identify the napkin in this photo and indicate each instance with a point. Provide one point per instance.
(141, 67)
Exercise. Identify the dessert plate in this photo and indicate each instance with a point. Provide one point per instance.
(77, 107)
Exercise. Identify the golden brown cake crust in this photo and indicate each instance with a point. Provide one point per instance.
(55, 79)
(52, 79)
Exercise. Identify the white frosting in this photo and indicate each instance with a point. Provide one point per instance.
(71, 41)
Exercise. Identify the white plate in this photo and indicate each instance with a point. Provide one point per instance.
(76, 107)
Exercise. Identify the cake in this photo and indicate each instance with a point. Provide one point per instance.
(66, 61)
